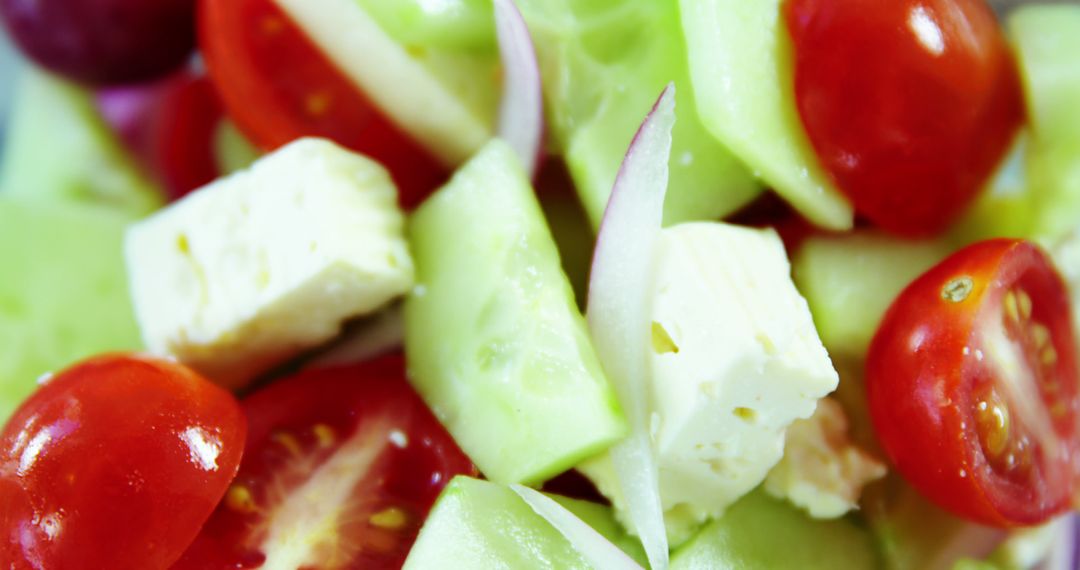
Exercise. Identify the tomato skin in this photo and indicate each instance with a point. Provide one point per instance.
(910, 104)
(277, 86)
(284, 450)
(115, 462)
(928, 370)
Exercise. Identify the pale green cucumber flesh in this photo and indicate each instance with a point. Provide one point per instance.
(1046, 39)
(762, 532)
(740, 65)
(603, 65)
(63, 295)
(478, 524)
(495, 342)
(850, 280)
(58, 147)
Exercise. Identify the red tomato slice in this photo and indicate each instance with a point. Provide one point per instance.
(973, 388)
(278, 87)
(909, 104)
(170, 126)
(181, 145)
(341, 468)
(115, 463)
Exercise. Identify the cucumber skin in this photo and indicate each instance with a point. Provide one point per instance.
(494, 340)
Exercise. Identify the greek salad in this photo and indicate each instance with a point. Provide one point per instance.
(551, 284)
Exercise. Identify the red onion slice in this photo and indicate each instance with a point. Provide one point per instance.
(521, 112)
(620, 299)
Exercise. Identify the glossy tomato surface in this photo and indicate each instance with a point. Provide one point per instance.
(278, 87)
(115, 463)
(909, 104)
(973, 389)
(341, 467)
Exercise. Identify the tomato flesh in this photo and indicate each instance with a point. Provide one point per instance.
(341, 467)
(278, 87)
(973, 387)
(909, 104)
(115, 463)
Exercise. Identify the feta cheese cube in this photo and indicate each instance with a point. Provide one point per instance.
(735, 359)
(259, 266)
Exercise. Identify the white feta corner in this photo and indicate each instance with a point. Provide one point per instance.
(735, 359)
(259, 266)
(822, 471)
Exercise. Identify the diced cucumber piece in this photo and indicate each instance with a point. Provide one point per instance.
(457, 25)
(477, 524)
(63, 295)
(232, 150)
(850, 280)
(604, 62)
(740, 64)
(1006, 207)
(762, 532)
(914, 534)
(1047, 39)
(495, 343)
(58, 147)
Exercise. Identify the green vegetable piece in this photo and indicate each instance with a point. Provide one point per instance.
(58, 147)
(64, 293)
(477, 524)
(914, 534)
(603, 63)
(849, 281)
(762, 532)
(495, 343)
(740, 64)
(1047, 39)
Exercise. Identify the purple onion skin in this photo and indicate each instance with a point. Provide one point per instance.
(103, 42)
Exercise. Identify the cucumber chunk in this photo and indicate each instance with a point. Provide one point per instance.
(850, 281)
(454, 25)
(495, 342)
(1047, 39)
(762, 532)
(603, 63)
(58, 147)
(477, 524)
(740, 64)
(63, 295)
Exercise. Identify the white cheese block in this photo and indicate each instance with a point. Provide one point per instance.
(822, 471)
(735, 359)
(257, 267)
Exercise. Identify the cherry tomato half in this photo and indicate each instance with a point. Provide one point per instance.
(115, 463)
(909, 104)
(278, 87)
(341, 467)
(973, 389)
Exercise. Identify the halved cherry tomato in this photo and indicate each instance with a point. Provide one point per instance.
(278, 87)
(973, 388)
(909, 103)
(341, 467)
(115, 463)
